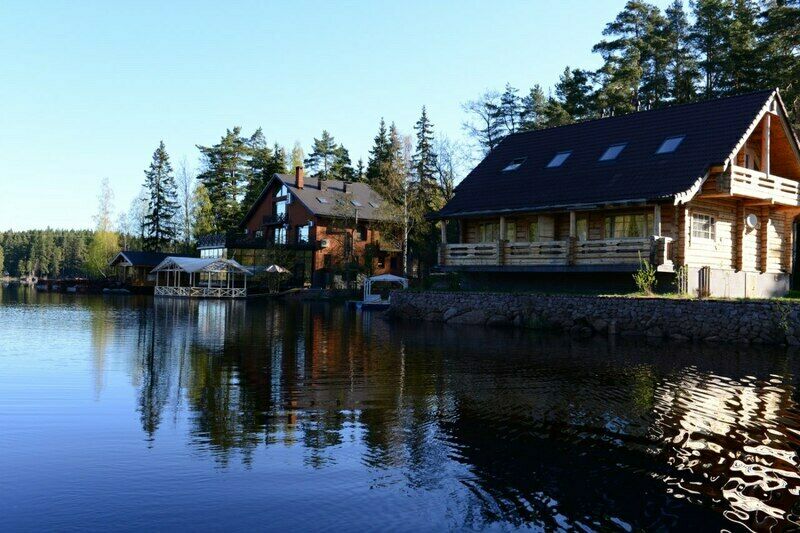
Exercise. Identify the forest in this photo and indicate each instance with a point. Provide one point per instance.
(650, 58)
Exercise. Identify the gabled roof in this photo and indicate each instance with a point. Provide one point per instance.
(331, 201)
(711, 130)
(197, 264)
(138, 259)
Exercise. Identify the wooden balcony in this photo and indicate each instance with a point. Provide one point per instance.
(611, 254)
(740, 181)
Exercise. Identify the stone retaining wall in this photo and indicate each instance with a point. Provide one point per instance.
(755, 321)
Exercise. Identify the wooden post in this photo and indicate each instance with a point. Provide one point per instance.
(443, 244)
(657, 220)
(573, 224)
(763, 234)
(501, 242)
(765, 143)
(573, 238)
(738, 236)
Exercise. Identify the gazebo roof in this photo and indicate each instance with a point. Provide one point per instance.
(388, 277)
(197, 264)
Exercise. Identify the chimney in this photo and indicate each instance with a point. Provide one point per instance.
(344, 186)
(298, 177)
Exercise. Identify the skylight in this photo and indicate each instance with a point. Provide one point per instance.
(356, 203)
(322, 200)
(612, 152)
(670, 144)
(559, 159)
(374, 205)
(515, 164)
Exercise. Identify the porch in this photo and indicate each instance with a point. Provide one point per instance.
(567, 255)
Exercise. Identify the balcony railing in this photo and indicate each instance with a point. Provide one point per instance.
(742, 181)
(272, 220)
(656, 250)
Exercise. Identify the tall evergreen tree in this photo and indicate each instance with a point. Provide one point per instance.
(683, 72)
(322, 156)
(378, 153)
(574, 93)
(744, 64)
(510, 109)
(360, 171)
(779, 36)
(160, 224)
(225, 173)
(260, 160)
(532, 108)
(710, 38)
(342, 166)
(425, 163)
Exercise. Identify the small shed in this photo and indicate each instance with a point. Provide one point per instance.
(134, 267)
(196, 277)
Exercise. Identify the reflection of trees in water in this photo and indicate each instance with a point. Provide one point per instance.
(652, 430)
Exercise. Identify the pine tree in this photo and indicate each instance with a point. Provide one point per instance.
(574, 93)
(710, 36)
(509, 110)
(532, 110)
(744, 64)
(260, 158)
(378, 153)
(779, 37)
(225, 173)
(342, 166)
(322, 156)
(683, 72)
(160, 226)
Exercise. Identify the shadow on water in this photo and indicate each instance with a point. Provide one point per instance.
(517, 428)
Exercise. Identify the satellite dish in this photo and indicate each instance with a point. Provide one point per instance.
(751, 220)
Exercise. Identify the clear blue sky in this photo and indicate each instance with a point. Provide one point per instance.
(89, 88)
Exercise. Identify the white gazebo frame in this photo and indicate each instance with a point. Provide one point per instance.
(383, 278)
(184, 276)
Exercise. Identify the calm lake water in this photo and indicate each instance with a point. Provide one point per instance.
(125, 413)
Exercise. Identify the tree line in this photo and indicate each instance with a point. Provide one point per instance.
(653, 58)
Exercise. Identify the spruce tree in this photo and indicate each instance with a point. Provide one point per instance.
(509, 110)
(322, 156)
(360, 171)
(159, 223)
(378, 153)
(425, 163)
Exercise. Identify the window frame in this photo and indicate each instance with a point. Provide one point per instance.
(515, 164)
(609, 230)
(555, 162)
(662, 147)
(712, 226)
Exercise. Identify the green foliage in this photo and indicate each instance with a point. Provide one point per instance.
(160, 222)
(682, 280)
(102, 248)
(2, 261)
(645, 277)
(45, 253)
(225, 172)
(202, 212)
(783, 312)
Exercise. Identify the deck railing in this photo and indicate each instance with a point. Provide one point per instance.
(742, 181)
(656, 250)
(202, 292)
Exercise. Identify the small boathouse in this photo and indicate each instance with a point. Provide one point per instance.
(195, 277)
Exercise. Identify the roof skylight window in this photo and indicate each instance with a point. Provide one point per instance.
(670, 144)
(374, 205)
(322, 199)
(515, 164)
(356, 203)
(612, 152)
(559, 159)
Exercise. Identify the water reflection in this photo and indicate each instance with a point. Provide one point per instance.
(500, 427)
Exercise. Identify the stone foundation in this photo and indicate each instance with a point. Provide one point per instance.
(757, 322)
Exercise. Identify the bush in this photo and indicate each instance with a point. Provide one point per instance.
(645, 277)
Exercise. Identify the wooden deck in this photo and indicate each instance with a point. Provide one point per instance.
(740, 181)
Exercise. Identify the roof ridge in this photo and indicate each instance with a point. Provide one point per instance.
(665, 108)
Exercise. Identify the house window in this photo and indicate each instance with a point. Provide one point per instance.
(612, 152)
(487, 232)
(259, 234)
(511, 231)
(280, 235)
(281, 191)
(302, 234)
(533, 231)
(628, 226)
(582, 229)
(558, 159)
(670, 144)
(514, 164)
(280, 209)
(362, 232)
(704, 226)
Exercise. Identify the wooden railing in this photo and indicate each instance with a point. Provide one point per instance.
(472, 254)
(656, 250)
(754, 184)
(202, 292)
(536, 253)
(613, 251)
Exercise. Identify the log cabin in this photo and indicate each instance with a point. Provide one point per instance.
(314, 227)
(707, 192)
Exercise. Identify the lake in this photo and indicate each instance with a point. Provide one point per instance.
(129, 413)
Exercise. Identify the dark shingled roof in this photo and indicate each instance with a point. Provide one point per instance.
(712, 128)
(137, 258)
(335, 199)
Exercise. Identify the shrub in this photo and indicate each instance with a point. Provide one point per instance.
(645, 277)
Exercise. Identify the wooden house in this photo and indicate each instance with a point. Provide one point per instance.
(313, 227)
(134, 268)
(709, 190)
